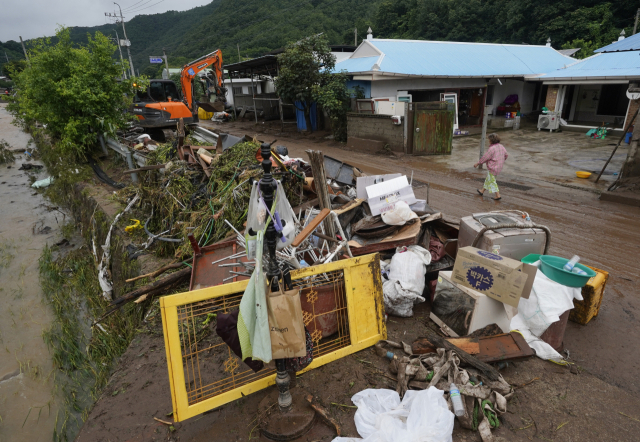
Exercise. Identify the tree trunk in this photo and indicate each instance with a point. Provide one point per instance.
(307, 117)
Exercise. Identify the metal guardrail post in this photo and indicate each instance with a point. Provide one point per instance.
(125, 152)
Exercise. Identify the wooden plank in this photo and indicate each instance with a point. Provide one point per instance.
(504, 347)
(313, 225)
(485, 368)
(304, 206)
(316, 159)
(422, 345)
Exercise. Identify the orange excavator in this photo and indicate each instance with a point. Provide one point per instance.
(161, 106)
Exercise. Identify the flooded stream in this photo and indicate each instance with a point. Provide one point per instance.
(27, 407)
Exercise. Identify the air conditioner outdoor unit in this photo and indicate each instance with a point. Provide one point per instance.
(548, 121)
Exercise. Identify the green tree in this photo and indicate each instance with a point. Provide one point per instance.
(334, 97)
(305, 67)
(74, 91)
(14, 67)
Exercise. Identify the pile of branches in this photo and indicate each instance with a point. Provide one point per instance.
(183, 200)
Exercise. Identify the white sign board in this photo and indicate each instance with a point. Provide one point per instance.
(382, 197)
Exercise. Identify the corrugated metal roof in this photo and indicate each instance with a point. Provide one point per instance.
(607, 65)
(453, 59)
(568, 52)
(628, 44)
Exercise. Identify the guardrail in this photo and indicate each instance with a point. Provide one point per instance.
(126, 153)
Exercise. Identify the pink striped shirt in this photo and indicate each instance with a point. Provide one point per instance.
(494, 157)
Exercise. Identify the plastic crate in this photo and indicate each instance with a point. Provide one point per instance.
(593, 292)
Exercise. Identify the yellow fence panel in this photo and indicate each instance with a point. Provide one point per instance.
(342, 308)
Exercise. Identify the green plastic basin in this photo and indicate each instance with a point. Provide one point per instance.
(531, 258)
(552, 267)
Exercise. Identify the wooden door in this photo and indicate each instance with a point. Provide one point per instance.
(433, 131)
(476, 104)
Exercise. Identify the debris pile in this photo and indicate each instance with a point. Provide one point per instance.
(495, 296)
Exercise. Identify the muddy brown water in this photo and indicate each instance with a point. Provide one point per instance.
(27, 405)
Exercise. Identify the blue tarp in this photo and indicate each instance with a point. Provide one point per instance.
(302, 125)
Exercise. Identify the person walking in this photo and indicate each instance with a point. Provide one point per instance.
(494, 158)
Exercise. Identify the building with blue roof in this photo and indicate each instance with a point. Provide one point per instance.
(471, 75)
(593, 91)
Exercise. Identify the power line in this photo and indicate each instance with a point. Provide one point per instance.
(150, 6)
(131, 7)
(136, 7)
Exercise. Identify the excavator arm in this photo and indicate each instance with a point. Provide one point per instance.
(190, 71)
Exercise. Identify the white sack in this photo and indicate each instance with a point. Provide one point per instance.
(399, 215)
(406, 280)
(422, 416)
(547, 302)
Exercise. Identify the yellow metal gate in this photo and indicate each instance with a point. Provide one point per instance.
(204, 373)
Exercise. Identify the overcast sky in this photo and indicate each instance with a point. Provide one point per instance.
(39, 18)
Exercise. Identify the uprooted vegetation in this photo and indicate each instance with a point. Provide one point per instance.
(183, 200)
(6, 155)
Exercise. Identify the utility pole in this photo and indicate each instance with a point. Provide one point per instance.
(635, 25)
(23, 50)
(356, 36)
(166, 61)
(6, 56)
(124, 71)
(133, 72)
(238, 46)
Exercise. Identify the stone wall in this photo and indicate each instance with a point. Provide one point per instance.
(377, 128)
(552, 96)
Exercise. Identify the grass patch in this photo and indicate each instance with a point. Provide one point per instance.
(82, 355)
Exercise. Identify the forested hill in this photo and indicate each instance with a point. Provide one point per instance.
(259, 26)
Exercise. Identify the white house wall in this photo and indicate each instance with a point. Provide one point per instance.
(390, 88)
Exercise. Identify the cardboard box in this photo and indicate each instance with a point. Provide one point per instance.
(362, 182)
(382, 197)
(501, 278)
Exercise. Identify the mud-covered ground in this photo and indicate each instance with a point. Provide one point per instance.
(598, 404)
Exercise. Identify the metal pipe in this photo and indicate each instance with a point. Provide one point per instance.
(209, 136)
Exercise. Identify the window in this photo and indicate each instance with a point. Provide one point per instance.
(171, 91)
(156, 91)
(490, 90)
(237, 90)
(613, 100)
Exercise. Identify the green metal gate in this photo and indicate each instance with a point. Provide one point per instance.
(433, 128)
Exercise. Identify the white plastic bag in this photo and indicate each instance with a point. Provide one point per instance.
(422, 416)
(257, 217)
(547, 302)
(406, 280)
(399, 215)
(408, 267)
